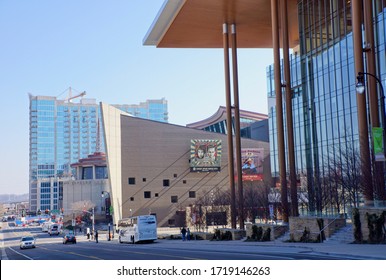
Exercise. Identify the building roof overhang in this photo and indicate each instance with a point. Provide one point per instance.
(221, 114)
(199, 23)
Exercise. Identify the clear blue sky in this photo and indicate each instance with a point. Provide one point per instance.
(96, 46)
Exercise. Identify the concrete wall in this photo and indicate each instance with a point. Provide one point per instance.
(153, 152)
(276, 231)
(297, 225)
(364, 224)
(84, 190)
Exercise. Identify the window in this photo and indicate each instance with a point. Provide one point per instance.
(100, 172)
(131, 198)
(156, 194)
(174, 199)
(166, 182)
(184, 181)
(192, 194)
(87, 173)
(131, 181)
(147, 194)
(143, 179)
(175, 175)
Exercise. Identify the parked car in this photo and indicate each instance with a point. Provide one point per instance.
(69, 238)
(27, 242)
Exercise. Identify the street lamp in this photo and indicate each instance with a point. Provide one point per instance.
(103, 194)
(360, 89)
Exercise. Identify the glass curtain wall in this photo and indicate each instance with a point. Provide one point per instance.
(324, 104)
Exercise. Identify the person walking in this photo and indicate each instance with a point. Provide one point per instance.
(188, 234)
(183, 233)
(96, 236)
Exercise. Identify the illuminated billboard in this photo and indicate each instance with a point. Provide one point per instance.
(205, 155)
(252, 164)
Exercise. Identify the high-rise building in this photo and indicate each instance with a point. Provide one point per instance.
(151, 109)
(61, 133)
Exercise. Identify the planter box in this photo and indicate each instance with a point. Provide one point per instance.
(298, 225)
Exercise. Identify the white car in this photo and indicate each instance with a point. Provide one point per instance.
(27, 242)
(54, 229)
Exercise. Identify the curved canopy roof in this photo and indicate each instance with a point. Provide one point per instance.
(198, 23)
(220, 115)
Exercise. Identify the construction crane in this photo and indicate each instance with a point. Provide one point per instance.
(70, 97)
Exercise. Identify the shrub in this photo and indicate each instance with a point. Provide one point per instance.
(227, 235)
(266, 235)
(306, 235)
(357, 226)
(321, 236)
(257, 233)
(375, 225)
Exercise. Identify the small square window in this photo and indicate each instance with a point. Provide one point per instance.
(166, 182)
(183, 181)
(147, 194)
(174, 199)
(192, 194)
(131, 198)
(143, 179)
(175, 175)
(131, 181)
(156, 194)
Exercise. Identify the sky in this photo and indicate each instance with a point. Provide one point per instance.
(97, 46)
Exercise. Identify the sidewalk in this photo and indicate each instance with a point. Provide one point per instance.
(360, 251)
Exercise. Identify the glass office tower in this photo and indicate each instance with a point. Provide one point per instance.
(152, 109)
(323, 79)
(61, 133)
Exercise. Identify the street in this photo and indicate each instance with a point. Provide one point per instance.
(51, 248)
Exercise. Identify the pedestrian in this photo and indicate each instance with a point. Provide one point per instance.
(188, 234)
(88, 234)
(96, 236)
(183, 233)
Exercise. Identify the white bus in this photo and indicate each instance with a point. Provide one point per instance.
(138, 229)
(46, 226)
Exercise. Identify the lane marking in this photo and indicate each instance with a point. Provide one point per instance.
(71, 253)
(25, 256)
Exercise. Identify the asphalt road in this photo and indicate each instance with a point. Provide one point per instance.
(51, 248)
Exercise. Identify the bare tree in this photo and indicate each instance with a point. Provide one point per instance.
(82, 210)
(344, 176)
(82, 205)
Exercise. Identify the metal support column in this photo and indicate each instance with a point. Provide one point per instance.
(379, 179)
(279, 108)
(237, 126)
(229, 125)
(288, 102)
(356, 6)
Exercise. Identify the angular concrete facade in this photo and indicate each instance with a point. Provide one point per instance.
(149, 166)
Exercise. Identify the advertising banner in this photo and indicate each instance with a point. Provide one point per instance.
(205, 155)
(252, 164)
(379, 152)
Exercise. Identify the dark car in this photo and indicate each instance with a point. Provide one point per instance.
(69, 238)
